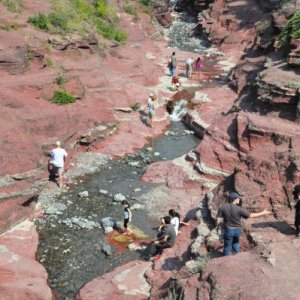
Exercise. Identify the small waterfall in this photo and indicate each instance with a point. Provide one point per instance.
(179, 111)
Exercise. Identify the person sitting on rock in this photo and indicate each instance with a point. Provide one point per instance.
(175, 220)
(231, 214)
(164, 240)
(176, 83)
(296, 193)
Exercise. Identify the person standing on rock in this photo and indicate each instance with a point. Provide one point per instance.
(172, 64)
(167, 240)
(189, 67)
(151, 111)
(296, 193)
(56, 164)
(198, 66)
(127, 216)
(231, 213)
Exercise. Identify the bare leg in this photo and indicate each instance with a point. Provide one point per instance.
(61, 179)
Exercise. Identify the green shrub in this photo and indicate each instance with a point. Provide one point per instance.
(129, 9)
(40, 21)
(81, 16)
(10, 26)
(146, 5)
(291, 30)
(136, 106)
(62, 98)
(58, 20)
(110, 31)
(13, 5)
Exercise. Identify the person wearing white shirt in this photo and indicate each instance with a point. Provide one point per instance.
(58, 157)
(189, 67)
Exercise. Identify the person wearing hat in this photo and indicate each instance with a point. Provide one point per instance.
(296, 193)
(231, 214)
(56, 164)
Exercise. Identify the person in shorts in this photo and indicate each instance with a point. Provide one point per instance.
(127, 216)
(56, 164)
(151, 110)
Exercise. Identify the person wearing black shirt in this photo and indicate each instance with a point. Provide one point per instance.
(231, 213)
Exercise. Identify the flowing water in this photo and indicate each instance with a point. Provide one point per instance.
(71, 240)
(69, 249)
(179, 36)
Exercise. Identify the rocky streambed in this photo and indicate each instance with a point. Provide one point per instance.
(73, 246)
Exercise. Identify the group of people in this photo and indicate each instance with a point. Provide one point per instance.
(230, 214)
(190, 65)
(166, 232)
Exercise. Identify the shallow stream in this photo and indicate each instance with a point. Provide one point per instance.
(73, 254)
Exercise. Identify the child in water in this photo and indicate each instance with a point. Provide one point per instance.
(127, 216)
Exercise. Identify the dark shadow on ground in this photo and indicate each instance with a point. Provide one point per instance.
(144, 118)
(282, 226)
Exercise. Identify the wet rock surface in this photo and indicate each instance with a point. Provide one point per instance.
(74, 234)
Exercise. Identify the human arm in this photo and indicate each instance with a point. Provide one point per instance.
(260, 214)
(129, 214)
(164, 239)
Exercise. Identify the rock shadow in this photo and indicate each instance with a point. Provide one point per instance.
(282, 226)
(173, 264)
(144, 117)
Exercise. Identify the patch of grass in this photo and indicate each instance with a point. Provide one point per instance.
(291, 30)
(13, 5)
(40, 21)
(10, 26)
(49, 62)
(131, 10)
(62, 98)
(81, 16)
(293, 85)
(136, 106)
(61, 77)
(146, 5)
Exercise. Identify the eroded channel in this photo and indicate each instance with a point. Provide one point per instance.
(71, 238)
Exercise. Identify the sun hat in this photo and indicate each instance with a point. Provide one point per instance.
(57, 143)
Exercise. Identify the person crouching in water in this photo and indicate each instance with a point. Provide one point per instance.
(166, 240)
(296, 193)
(176, 83)
(127, 216)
